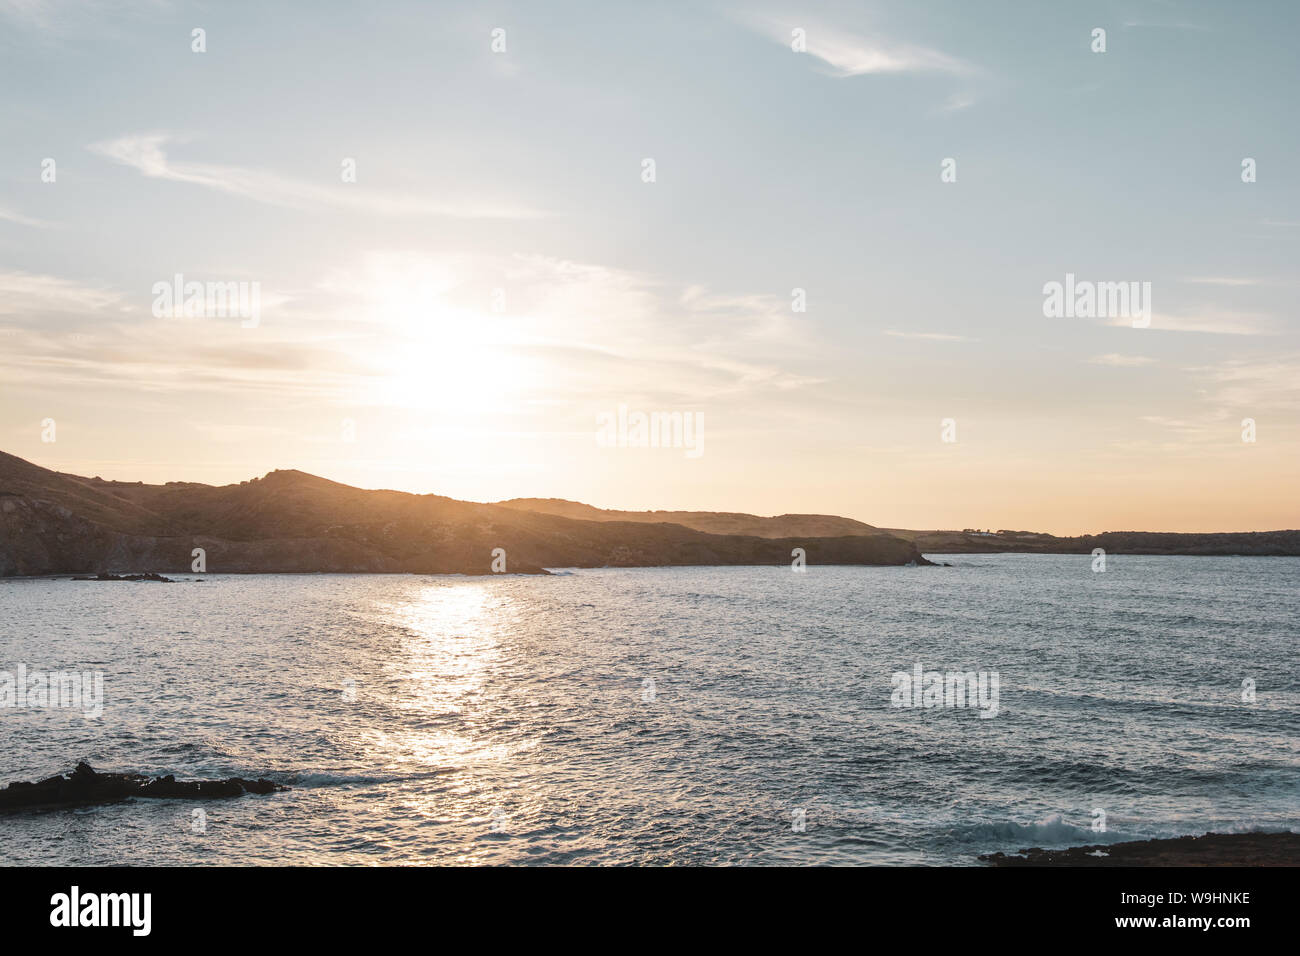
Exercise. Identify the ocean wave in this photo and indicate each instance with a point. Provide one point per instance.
(1053, 830)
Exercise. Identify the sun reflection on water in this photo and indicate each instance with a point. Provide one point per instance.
(449, 634)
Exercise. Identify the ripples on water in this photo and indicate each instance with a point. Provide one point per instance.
(502, 720)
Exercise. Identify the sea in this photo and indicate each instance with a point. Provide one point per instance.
(663, 716)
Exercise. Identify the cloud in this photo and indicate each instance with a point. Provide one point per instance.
(1269, 383)
(1209, 321)
(192, 356)
(10, 216)
(850, 54)
(1115, 360)
(957, 102)
(1185, 432)
(1222, 280)
(1177, 25)
(399, 328)
(930, 336)
(146, 154)
(29, 295)
(605, 324)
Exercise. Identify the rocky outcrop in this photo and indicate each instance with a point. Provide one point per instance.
(85, 786)
(105, 576)
(1212, 849)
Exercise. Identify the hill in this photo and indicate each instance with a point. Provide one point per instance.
(714, 522)
(290, 521)
(1263, 543)
(1241, 543)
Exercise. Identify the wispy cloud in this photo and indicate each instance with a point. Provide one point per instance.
(29, 295)
(851, 54)
(8, 215)
(929, 336)
(1183, 436)
(1116, 360)
(957, 102)
(379, 332)
(1255, 383)
(146, 154)
(1209, 321)
(1178, 25)
(1223, 280)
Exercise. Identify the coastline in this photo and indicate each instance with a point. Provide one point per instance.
(1210, 849)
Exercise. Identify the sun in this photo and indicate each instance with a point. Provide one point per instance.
(437, 356)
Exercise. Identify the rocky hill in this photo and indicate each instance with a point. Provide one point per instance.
(1264, 543)
(290, 521)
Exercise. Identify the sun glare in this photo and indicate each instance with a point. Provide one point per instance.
(442, 357)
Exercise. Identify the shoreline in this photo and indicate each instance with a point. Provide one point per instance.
(1210, 849)
(543, 572)
(932, 561)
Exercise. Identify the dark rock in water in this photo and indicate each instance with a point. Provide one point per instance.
(86, 786)
(1212, 849)
(105, 576)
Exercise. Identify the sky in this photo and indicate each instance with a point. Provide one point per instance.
(833, 266)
